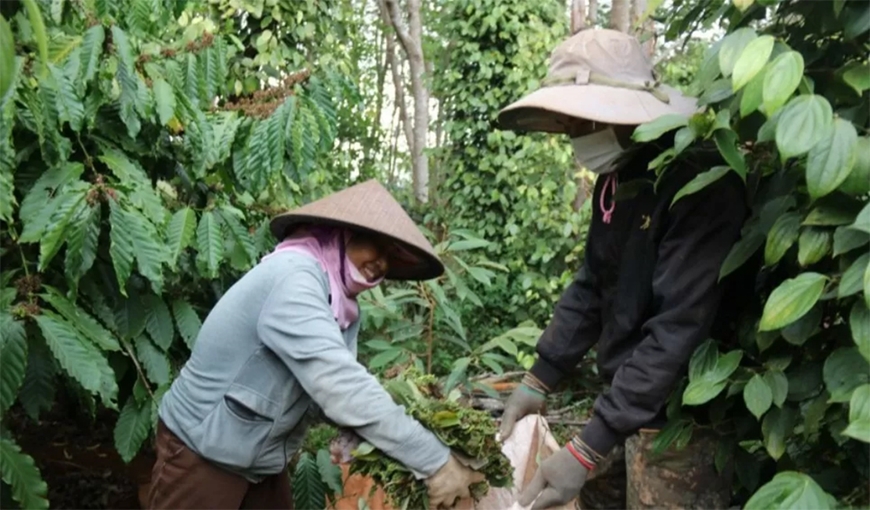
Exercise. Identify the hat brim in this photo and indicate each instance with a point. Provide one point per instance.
(413, 264)
(553, 109)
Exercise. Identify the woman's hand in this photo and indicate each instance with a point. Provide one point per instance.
(557, 481)
(343, 445)
(524, 401)
(451, 483)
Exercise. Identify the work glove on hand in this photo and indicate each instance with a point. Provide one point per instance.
(451, 483)
(528, 398)
(557, 481)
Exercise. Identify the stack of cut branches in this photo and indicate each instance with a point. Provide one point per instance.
(469, 432)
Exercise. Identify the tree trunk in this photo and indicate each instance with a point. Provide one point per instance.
(620, 15)
(645, 28)
(637, 9)
(384, 41)
(578, 23)
(396, 122)
(578, 15)
(412, 42)
(581, 195)
(394, 64)
(593, 12)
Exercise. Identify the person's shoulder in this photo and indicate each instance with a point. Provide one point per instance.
(287, 260)
(293, 268)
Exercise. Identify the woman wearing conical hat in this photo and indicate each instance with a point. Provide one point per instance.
(281, 343)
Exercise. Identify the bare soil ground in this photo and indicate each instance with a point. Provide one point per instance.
(78, 460)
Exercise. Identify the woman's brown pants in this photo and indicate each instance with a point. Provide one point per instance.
(182, 479)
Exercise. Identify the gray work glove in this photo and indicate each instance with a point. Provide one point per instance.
(557, 481)
(524, 401)
(451, 483)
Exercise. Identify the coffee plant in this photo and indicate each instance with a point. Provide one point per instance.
(420, 324)
(136, 183)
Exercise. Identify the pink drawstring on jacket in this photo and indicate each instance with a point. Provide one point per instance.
(607, 212)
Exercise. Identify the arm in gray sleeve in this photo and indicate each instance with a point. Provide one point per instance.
(297, 324)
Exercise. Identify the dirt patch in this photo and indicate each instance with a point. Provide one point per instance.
(87, 489)
(78, 460)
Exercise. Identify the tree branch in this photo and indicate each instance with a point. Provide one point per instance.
(412, 41)
(498, 378)
(129, 350)
(395, 72)
(395, 15)
(578, 15)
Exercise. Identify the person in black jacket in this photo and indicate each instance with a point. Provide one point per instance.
(648, 291)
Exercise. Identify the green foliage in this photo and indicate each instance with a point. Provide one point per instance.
(708, 373)
(144, 144)
(309, 489)
(132, 428)
(329, 473)
(795, 134)
(77, 356)
(469, 432)
(13, 355)
(423, 324)
(790, 490)
(679, 67)
(791, 300)
(20, 472)
(134, 189)
(758, 396)
(8, 65)
(514, 191)
(859, 414)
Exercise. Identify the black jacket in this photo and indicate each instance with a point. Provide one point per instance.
(647, 293)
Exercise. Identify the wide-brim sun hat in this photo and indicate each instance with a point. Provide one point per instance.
(369, 207)
(597, 75)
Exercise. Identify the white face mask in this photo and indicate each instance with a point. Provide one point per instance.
(597, 151)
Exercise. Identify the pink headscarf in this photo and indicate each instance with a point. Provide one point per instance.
(327, 246)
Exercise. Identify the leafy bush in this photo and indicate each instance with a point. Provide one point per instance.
(133, 192)
(785, 110)
(421, 324)
(315, 480)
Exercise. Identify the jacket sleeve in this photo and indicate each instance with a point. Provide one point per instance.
(573, 330)
(701, 231)
(297, 324)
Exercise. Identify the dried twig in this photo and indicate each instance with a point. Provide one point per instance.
(559, 421)
(129, 350)
(488, 404)
(430, 334)
(497, 378)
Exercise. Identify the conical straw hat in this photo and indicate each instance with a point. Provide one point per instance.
(368, 206)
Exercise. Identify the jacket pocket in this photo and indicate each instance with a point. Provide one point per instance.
(236, 431)
(264, 376)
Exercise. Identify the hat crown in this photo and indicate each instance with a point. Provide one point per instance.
(596, 75)
(601, 53)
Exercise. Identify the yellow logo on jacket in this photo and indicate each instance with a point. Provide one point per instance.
(646, 221)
